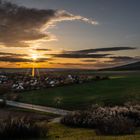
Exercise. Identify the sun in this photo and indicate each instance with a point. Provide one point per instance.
(34, 57)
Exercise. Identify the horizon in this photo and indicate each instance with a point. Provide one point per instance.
(94, 69)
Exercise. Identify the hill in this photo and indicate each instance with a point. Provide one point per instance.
(131, 66)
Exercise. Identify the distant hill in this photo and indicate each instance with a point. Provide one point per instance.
(132, 66)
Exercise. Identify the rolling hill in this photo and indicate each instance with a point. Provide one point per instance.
(131, 66)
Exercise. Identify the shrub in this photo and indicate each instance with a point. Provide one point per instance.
(4, 89)
(3, 103)
(109, 120)
(13, 96)
(116, 126)
(20, 128)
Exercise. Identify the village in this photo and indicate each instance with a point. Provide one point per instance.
(20, 82)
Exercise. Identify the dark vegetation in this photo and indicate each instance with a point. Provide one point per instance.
(3, 104)
(107, 120)
(21, 128)
(4, 89)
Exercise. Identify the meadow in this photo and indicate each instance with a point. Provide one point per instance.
(61, 132)
(119, 89)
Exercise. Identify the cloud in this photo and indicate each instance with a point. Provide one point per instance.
(89, 60)
(72, 55)
(98, 64)
(40, 60)
(114, 59)
(12, 54)
(62, 15)
(66, 63)
(42, 50)
(123, 59)
(90, 53)
(73, 65)
(22, 27)
(109, 49)
(15, 59)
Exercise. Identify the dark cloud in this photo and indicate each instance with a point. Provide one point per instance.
(65, 63)
(115, 59)
(101, 50)
(123, 59)
(16, 59)
(90, 53)
(93, 53)
(13, 59)
(12, 54)
(72, 55)
(42, 50)
(21, 26)
(97, 63)
(85, 65)
(76, 65)
(89, 60)
(39, 60)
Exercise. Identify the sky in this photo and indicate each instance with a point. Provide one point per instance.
(89, 34)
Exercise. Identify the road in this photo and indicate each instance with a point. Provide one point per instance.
(37, 107)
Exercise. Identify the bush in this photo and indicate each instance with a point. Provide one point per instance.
(3, 104)
(13, 96)
(109, 120)
(116, 126)
(20, 128)
(4, 89)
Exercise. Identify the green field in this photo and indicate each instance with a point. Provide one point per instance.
(61, 132)
(118, 90)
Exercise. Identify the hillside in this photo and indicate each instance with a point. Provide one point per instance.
(132, 66)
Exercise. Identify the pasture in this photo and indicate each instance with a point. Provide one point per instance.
(120, 89)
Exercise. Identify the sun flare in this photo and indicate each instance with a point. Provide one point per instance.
(34, 57)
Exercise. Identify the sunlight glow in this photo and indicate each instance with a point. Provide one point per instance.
(34, 57)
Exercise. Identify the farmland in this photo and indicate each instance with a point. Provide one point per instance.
(119, 89)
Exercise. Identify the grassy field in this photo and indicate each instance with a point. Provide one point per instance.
(117, 90)
(61, 132)
(13, 112)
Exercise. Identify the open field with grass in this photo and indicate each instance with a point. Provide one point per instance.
(121, 88)
(13, 112)
(61, 132)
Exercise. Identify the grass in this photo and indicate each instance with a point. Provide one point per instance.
(61, 132)
(23, 110)
(117, 90)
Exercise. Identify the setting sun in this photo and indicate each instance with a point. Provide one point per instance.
(34, 57)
